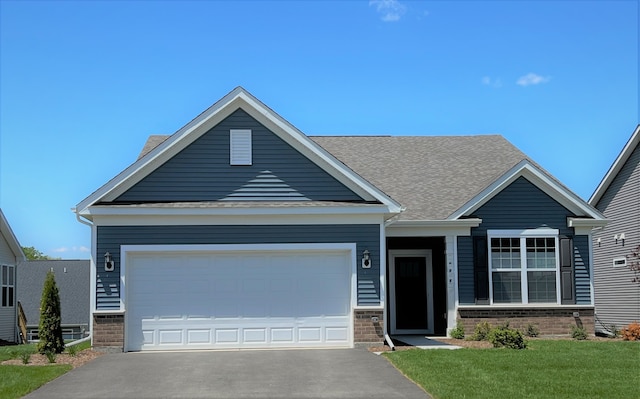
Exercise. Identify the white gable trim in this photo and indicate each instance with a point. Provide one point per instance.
(615, 168)
(238, 98)
(540, 179)
(11, 239)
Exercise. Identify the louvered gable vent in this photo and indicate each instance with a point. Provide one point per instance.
(240, 147)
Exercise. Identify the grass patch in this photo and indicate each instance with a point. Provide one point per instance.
(548, 369)
(18, 381)
(80, 347)
(15, 351)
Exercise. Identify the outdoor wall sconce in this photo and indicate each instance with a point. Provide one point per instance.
(619, 237)
(599, 241)
(366, 259)
(108, 262)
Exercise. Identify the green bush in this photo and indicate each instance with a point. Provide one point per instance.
(579, 333)
(51, 356)
(504, 336)
(72, 350)
(481, 332)
(25, 357)
(458, 331)
(532, 330)
(50, 330)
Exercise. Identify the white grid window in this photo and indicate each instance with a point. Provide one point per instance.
(530, 278)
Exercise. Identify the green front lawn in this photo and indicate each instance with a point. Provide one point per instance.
(17, 381)
(547, 369)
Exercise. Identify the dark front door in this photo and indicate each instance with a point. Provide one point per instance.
(412, 298)
(411, 293)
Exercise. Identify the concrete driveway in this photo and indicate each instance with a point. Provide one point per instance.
(321, 373)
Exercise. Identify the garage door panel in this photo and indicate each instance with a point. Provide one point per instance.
(238, 300)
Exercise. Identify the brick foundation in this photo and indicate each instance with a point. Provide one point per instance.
(366, 331)
(550, 321)
(108, 332)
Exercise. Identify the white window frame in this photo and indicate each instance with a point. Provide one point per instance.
(620, 261)
(240, 147)
(9, 283)
(522, 235)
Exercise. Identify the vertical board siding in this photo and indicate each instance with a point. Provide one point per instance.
(201, 171)
(617, 298)
(110, 238)
(521, 206)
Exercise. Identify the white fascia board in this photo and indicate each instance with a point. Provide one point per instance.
(238, 98)
(540, 179)
(615, 168)
(431, 228)
(11, 239)
(307, 147)
(105, 216)
(584, 226)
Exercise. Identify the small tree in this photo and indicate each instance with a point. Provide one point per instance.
(50, 331)
(633, 262)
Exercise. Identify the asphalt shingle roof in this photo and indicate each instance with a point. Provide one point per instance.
(72, 279)
(431, 176)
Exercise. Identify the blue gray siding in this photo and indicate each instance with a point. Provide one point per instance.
(201, 172)
(581, 263)
(520, 206)
(110, 238)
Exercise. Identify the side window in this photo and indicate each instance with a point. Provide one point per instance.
(7, 285)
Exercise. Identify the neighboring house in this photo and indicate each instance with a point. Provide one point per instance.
(238, 231)
(11, 256)
(617, 297)
(73, 281)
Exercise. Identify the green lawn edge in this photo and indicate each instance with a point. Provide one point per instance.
(547, 369)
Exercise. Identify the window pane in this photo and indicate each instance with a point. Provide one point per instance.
(4, 296)
(506, 287)
(4, 275)
(541, 253)
(542, 287)
(10, 275)
(10, 298)
(505, 253)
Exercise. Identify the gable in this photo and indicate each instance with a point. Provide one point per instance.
(522, 205)
(202, 171)
(623, 190)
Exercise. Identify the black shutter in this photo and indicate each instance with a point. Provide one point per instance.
(481, 270)
(567, 280)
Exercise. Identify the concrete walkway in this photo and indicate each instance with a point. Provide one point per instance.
(321, 373)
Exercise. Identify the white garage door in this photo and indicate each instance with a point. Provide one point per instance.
(228, 299)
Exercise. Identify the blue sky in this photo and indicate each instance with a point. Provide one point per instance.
(84, 83)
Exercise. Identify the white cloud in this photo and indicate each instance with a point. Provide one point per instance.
(389, 10)
(72, 249)
(488, 81)
(532, 79)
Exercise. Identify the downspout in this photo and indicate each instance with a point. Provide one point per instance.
(90, 336)
(383, 243)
